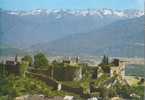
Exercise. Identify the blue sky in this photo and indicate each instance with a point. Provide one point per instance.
(70, 4)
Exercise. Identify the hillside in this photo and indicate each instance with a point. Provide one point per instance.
(121, 38)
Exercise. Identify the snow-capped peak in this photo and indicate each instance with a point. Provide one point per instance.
(119, 13)
(13, 13)
(81, 12)
(107, 12)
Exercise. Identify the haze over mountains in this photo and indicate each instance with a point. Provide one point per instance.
(121, 38)
(75, 32)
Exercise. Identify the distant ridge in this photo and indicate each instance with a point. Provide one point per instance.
(121, 38)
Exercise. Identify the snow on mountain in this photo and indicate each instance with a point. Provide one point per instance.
(84, 12)
(133, 13)
(55, 11)
(119, 13)
(107, 12)
(13, 13)
(81, 12)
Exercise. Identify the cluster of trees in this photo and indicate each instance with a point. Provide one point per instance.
(105, 65)
(105, 60)
(12, 86)
(28, 58)
(40, 60)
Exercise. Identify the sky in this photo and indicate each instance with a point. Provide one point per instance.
(71, 4)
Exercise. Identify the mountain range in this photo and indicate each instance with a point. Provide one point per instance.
(121, 38)
(79, 12)
(75, 32)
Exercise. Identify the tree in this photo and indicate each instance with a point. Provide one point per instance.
(104, 93)
(2, 70)
(40, 60)
(23, 68)
(28, 58)
(105, 60)
(141, 81)
(105, 64)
